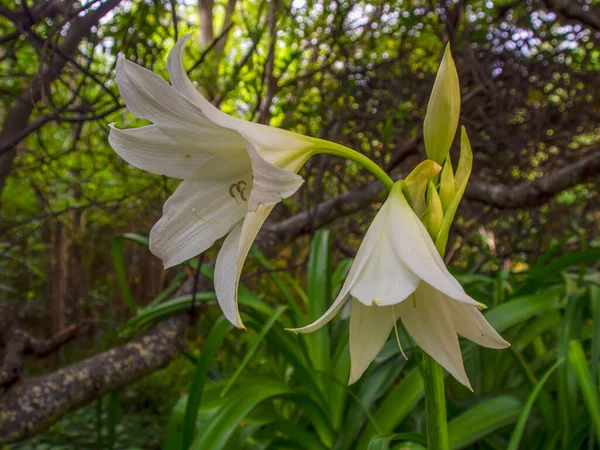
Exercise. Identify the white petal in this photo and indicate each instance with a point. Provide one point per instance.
(416, 249)
(271, 183)
(370, 327)
(150, 97)
(182, 84)
(362, 258)
(230, 262)
(150, 149)
(385, 279)
(430, 326)
(339, 302)
(194, 217)
(225, 273)
(274, 144)
(471, 324)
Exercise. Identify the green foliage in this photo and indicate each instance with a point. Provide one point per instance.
(262, 389)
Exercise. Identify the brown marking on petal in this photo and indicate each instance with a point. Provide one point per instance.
(188, 155)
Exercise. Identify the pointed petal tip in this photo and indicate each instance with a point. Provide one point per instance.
(293, 330)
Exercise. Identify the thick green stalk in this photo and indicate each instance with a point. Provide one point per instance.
(435, 400)
(435, 404)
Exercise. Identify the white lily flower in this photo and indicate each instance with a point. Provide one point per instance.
(398, 273)
(233, 171)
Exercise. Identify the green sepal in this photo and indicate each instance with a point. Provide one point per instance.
(447, 185)
(435, 212)
(463, 172)
(417, 182)
(443, 111)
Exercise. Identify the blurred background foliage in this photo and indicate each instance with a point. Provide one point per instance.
(359, 73)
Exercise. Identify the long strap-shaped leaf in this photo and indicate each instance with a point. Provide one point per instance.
(212, 344)
(518, 432)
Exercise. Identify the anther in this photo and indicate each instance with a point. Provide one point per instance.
(231, 188)
(241, 188)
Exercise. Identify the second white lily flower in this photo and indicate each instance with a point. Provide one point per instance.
(234, 171)
(398, 273)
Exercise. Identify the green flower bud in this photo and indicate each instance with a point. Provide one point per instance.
(435, 212)
(447, 184)
(443, 111)
(416, 183)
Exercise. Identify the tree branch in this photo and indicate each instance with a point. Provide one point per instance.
(536, 192)
(18, 116)
(19, 343)
(533, 193)
(33, 404)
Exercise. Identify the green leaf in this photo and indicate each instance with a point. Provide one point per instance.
(591, 398)
(211, 346)
(521, 309)
(112, 420)
(236, 407)
(319, 299)
(119, 264)
(482, 420)
(277, 278)
(395, 408)
(595, 349)
(382, 442)
(297, 434)
(517, 434)
(443, 111)
(254, 347)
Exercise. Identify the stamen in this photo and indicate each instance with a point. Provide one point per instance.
(231, 187)
(241, 189)
(396, 331)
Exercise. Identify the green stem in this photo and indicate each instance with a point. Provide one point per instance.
(435, 404)
(331, 148)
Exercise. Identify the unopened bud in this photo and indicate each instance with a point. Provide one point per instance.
(435, 211)
(447, 185)
(443, 111)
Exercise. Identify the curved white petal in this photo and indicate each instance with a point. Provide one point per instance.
(416, 249)
(230, 262)
(226, 273)
(370, 327)
(273, 144)
(471, 324)
(148, 96)
(385, 279)
(200, 211)
(428, 323)
(271, 183)
(182, 84)
(362, 258)
(150, 149)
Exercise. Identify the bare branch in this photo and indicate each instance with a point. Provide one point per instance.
(33, 404)
(533, 193)
(18, 116)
